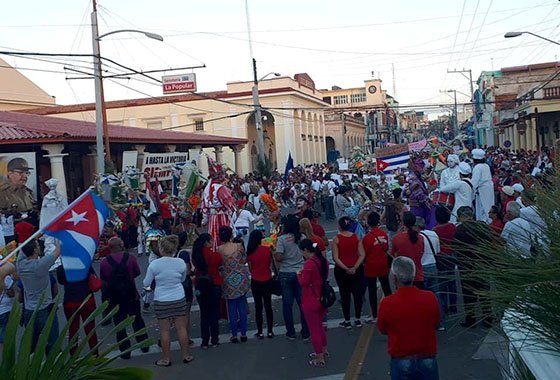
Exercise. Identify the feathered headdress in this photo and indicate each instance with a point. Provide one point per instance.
(215, 170)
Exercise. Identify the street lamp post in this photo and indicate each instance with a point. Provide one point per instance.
(102, 129)
(517, 34)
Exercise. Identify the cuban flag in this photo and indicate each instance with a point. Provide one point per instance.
(390, 162)
(78, 228)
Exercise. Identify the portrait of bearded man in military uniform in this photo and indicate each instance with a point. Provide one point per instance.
(14, 190)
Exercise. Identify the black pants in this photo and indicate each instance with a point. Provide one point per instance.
(262, 293)
(130, 237)
(209, 301)
(471, 298)
(128, 309)
(371, 284)
(349, 286)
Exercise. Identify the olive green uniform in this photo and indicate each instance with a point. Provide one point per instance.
(22, 197)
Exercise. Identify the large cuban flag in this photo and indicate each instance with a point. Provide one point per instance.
(78, 228)
(392, 158)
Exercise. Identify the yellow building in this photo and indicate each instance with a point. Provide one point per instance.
(293, 118)
(18, 92)
(359, 116)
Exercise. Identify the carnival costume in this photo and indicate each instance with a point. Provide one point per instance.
(451, 173)
(417, 193)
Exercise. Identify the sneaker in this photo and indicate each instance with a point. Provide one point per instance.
(259, 336)
(290, 337)
(243, 339)
(371, 320)
(346, 324)
(234, 340)
(358, 323)
(441, 328)
(270, 335)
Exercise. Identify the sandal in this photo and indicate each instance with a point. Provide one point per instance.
(316, 363)
(188, 359)
(163, 363)
(313, 355)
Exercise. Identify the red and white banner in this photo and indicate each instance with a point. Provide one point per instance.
(417, 146)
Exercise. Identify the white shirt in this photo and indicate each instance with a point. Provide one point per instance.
(246, 188)
(464, 195)
(5, 300)
(316, 185)
(517, 235)
(428, 257)
(330, 185)
(449, 175)
(243, 219)
(169, 273)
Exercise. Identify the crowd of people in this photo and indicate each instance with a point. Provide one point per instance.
(411, 231)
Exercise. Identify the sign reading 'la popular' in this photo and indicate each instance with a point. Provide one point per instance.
(173, 84)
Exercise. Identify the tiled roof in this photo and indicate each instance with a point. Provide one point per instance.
(18, 128)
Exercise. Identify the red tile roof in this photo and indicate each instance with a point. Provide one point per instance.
(20, 128)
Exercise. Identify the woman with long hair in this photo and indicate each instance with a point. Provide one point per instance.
(411, 244)
(315, 271)
(236, 282)
(170, 305)
(376, 262)
(208, 288)
(290, 259)
(259, 258)
(307, 229)
(348, 255)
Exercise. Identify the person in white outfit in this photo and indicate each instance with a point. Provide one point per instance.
(451, 173)
(518, 188)
(517, 231)
(462, 188)
(482, 185)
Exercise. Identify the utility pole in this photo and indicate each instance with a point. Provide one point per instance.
(258, 114)
(255, 90)
(102, 131)
(469, 78)
(455, 121)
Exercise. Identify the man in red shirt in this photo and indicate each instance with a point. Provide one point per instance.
(410, 318)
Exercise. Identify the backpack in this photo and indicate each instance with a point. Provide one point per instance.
(327, 298)
(120, 285)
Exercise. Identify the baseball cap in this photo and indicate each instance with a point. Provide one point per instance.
(18, 164)
(508, 190)
(518, 187)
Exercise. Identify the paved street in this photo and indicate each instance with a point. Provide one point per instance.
(280, 358)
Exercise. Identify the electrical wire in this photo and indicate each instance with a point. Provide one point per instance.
(479, 31)
(468, 32)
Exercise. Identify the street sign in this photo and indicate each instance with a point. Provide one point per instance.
(173, 84)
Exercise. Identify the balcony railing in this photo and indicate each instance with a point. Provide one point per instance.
(551, 93)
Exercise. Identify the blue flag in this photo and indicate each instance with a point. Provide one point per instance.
(289, 166)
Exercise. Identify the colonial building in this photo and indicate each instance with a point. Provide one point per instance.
(360, 116)
(293, 118)
(519, 107)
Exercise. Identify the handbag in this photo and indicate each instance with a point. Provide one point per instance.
(389, 257)
(94, 283)
(275, 285)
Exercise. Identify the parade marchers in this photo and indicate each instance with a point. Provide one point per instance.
(263, 235)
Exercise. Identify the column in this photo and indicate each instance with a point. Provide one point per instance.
(57, 165)
(515, 137)
(194, 154)
(530, 132)
(219, 151)
(141, 149)
(237, 157)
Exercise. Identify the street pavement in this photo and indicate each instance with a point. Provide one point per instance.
(281, 359)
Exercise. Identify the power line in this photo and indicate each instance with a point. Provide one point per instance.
(469, 31)
(479, 30)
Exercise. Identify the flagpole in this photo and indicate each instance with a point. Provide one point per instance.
(42, 229)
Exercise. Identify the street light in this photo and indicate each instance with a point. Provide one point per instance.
(270, 73)
(101, 128)
(517, 34)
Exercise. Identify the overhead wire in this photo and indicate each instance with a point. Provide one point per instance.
(479, 31)
(468, 31)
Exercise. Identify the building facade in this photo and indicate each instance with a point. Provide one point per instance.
(519, 107)
(293, 118)
(360, 116)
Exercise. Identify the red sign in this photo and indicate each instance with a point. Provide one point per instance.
(173, 84)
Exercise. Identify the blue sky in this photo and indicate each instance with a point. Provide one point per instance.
(335, 42)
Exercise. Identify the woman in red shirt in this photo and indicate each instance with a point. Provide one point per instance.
(259, 258)
(348, 255)
(411, 244)
(376, 264)
(208, 285)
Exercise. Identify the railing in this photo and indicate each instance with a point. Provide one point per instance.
(551, 93)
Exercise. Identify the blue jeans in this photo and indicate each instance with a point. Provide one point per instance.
(432, 281)
(291, 290)
(3, 322)
(39, 325)
(414, 369)
(447, 286)
(237, 312)
(329, 207)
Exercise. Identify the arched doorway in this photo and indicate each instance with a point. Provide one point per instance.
(330, 147)
(269, 138)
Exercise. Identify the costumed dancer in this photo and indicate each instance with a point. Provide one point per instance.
(53, 204)
(417, 193)
(451, 173)
(218, 204)
(482, 185)
(462, 188)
